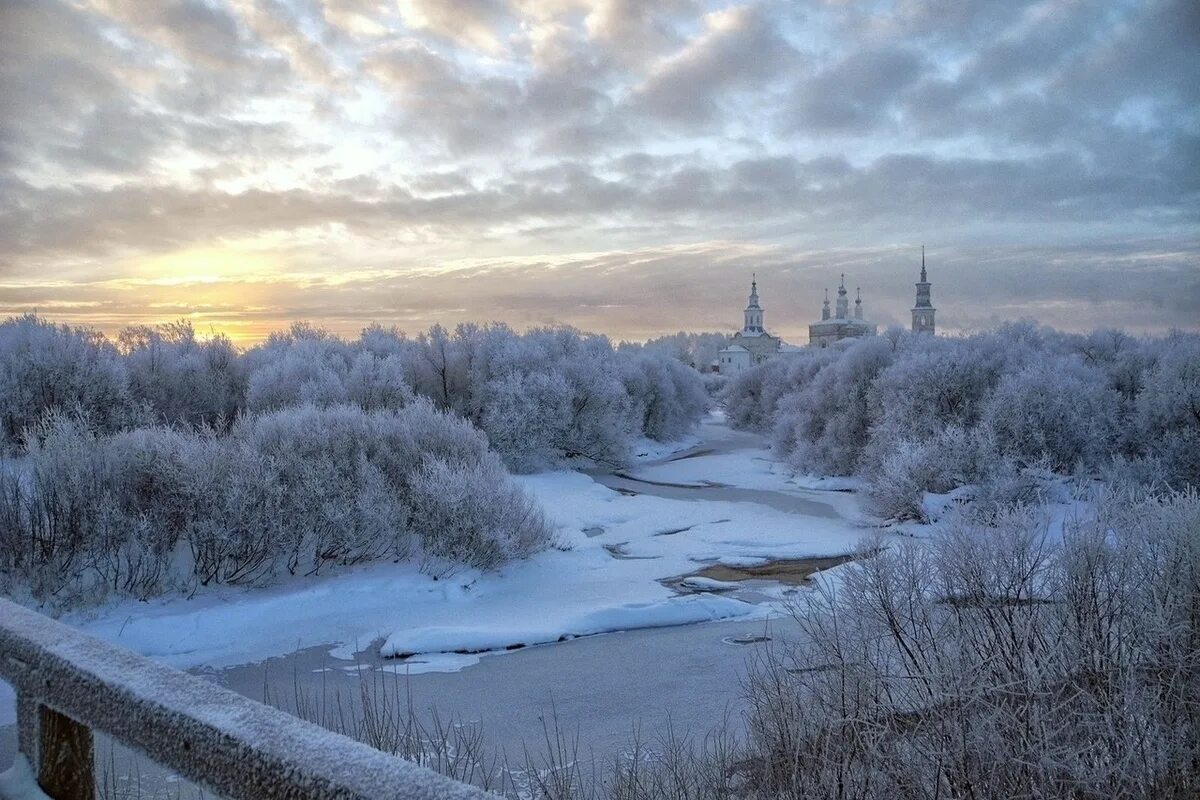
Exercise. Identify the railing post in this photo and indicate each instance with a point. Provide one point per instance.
(65, 758)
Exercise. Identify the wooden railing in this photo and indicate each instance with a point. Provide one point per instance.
(69, 684)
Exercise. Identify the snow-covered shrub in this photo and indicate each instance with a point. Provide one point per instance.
(667, 396)
(149, 510)
(527, 418)
(997, 661)
(933, 384)
(1055, 408)
(305, 366)
(584, 399)
(46, 367)
(472, 513)
(182, 380)
(1125, 361)
(832, 416)
(1169, 411)
(714, 384)
(743, 396)
(996, 411)
(358, 481)
(98, 513)
(375, 382)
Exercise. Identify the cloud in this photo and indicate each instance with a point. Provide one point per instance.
(472, 23)
(738, 49)
(856, 93)
(646, 155)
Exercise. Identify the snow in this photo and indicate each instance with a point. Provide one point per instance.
(557, 627)
(433, 662)
(746, 469)
(19, 783)
(934, 506)
(8, 705)
(612, 579)
(650, 450)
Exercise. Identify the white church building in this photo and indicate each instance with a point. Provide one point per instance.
(753, 345)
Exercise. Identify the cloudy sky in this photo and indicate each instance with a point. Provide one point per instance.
(618, 165)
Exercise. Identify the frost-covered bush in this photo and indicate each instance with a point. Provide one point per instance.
(755, 397)
(473, 513)
(714, 384)
(304, 366)
(150, 510)
(180, 379)
(936, 383)
(1168, 411)
(378, 382)
(999, 660)
(46, 367)
(528, 418)
(358, 482)
(743, 396)
(97, 513)
(667, 396)
(584, 400)
(832, 416)
(576, 395)
(696, 350)
(1055, 408)
(995, 412)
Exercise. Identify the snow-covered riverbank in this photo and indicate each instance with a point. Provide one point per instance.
(720, 501)
(614, 549)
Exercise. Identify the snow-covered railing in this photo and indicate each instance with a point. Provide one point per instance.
(69, 684)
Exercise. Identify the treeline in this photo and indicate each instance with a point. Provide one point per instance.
(697, 350)
(161, 462)
(542, 398)
(996, 412)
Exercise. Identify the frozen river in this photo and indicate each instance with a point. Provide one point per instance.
(601, 688)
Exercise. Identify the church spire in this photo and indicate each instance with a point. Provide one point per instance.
(753, 316)
(923, 310)
(843, 302)
(825, 308)
(858, 312)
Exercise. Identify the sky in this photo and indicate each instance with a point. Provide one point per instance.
(616, 165)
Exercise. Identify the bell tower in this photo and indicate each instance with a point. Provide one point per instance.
(923, 310)
(753, 315)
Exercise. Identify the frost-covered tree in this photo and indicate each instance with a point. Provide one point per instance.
(305, 365)
(181, 379)
(1056, 408)
(832, 416)
(150, 510)
(996, 410)
(46, 367)
(375, 382)
(696, 350)
(1169, 410)
(665, 393)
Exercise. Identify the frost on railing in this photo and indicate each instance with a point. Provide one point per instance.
(69, 684)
